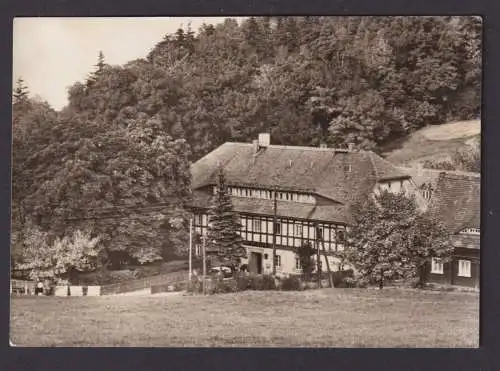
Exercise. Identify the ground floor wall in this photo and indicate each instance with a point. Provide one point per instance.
(259, 260)
(462, 270)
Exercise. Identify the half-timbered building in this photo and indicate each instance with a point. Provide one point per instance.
(315, 190)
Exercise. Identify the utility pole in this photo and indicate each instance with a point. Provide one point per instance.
(318, 256)
(190, 248)
(204, 265)
(275, 211)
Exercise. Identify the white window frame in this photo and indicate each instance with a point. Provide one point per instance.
(277, 260)
(475, 231)
(256, 225)
(437, 266)
(297, 263)
(464, 268)
(298, 230)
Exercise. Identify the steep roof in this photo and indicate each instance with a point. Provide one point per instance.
(422, 176)
(340, 175)
(456, 200)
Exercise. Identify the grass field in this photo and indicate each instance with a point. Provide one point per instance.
(317, 318)
(437, 142)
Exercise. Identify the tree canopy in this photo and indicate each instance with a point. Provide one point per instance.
(129, 133)
(391, 240)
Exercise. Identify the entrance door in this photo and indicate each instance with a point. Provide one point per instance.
(255, 263)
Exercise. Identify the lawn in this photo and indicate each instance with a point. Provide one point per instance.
(317, 318)
(436, 142)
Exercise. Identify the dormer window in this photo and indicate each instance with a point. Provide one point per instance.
(426, 194)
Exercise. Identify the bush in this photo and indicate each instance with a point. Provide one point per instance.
(243, 282)
(195, 286)
(262, 282)
(222, 286)
(342, 279)
(291, 283)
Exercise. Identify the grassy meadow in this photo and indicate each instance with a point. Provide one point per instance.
(316, 318)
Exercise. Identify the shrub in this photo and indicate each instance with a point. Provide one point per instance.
(262, 282)
(222, 286)
(243, 282)
(291, 283)
(342, 278)
(195, 286)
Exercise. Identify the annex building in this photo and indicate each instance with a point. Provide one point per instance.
(315, 187)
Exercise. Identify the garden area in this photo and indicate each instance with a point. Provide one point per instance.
(315, 318)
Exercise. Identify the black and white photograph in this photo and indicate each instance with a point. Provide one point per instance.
(250, 182)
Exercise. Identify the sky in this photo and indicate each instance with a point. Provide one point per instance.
(51, 54)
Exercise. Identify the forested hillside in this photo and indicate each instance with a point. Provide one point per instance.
(128, 134)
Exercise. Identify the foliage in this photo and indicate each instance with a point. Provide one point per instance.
(465, 159)
(262, 282)
(391, 240)
(63, 258)
(342, 278)
(307, 263)
(129, 133)
(243, 282)
(469, 158)
(291, 283)
(428, 239)
(223, 239)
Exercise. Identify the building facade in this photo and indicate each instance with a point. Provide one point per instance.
(315, 191)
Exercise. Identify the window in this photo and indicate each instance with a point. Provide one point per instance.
(319, 232)
(256, 225)
(471, 231)
(297, 263)
(333, 235)
(298, 230)
(341, 236)
(277, 228)
(277, 260)
(436, 266)
(464, 268)
(426, 194)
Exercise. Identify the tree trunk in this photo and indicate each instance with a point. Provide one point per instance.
(422, 277)
(381, 282)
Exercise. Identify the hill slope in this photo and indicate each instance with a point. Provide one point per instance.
(436, 142)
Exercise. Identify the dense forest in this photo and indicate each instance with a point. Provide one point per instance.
(115, 161)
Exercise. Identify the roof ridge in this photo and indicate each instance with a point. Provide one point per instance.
(446, 172)
(307, 148)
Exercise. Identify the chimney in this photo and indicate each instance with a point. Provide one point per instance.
(255, 146)
(264, 140)
(350, 146)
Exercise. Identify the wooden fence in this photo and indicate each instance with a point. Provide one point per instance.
(143, 283)
(22, 287)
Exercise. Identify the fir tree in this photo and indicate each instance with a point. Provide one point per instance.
(21, 92)
(99, 69)
(223, 239)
